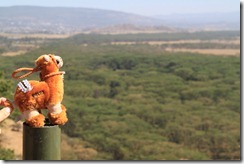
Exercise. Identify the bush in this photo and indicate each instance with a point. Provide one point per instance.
(6, 154)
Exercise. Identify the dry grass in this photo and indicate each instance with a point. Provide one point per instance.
(227, 42)
(224, 52)
(13, 53)
(11, 137)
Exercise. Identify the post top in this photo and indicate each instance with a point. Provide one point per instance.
(46, 125)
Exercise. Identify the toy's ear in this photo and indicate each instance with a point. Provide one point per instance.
(46, 58)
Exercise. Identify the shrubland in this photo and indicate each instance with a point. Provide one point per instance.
(139, 102)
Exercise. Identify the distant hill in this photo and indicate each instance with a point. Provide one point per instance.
(58, 20)
(29, 19)
(130, 28)
(203, 21)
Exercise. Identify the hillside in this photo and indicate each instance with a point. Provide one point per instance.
(60, 20)
(141, 102)
(203, 21)
(31, 19)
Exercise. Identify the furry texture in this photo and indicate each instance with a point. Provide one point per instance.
(44, 94)
(36, 121)
(60, 118)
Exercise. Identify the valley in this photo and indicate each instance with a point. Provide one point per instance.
(129, 98)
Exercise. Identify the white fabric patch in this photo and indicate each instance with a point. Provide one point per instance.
(30, 113)
(25, 86)
(55, 109)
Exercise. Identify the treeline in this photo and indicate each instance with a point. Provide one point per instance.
(137, 102)
(141, 37)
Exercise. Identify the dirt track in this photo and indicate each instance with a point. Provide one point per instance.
(11, 137)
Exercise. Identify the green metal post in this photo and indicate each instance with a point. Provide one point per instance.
(41, 143)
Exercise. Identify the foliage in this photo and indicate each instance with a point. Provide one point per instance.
(141, 37)
(6, 154)
(137, 102)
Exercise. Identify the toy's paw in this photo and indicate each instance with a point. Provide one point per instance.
(60, 118)
(36, 121)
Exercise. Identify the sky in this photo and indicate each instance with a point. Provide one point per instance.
(141, 7)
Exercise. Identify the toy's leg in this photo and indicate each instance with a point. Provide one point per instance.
(34, 118)
(57, 114)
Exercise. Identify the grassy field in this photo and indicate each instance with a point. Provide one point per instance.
(222, 52)
(18, 44)
(47, 36)
(209, 51)
(233, 41)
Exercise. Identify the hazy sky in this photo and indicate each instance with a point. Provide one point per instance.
(142, 7)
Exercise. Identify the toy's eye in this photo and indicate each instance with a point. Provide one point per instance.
(59, 61)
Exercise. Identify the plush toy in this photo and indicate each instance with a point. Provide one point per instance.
(32, 96)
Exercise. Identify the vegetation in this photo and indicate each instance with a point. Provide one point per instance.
(10, 46)
(138, 102)
(6, 154)
(140, 37)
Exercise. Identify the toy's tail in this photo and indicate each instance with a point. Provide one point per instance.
(8, 108)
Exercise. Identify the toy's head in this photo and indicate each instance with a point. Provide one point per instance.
(46, 64)
(49, 63)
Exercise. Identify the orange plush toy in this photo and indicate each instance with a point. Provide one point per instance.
(32, 96)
